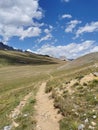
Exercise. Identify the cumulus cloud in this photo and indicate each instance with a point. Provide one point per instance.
(48, 35)
(71, 25)
(9, 31)
(71, 50)
(66, 16)
(17, 18)
(45, 38)
(88, 28)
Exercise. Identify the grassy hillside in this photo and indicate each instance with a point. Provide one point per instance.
(88, 62)
(74, 88)
(85, 60)
(24, 58)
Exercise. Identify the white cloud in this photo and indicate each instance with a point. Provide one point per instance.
(66, 0)
(30, 32)
(9, 31)
(51, 27)
(71, 50)
(47, 31)
(71, 25)
(45, 38)
(95, 49)
(48, 35)
(92, 27)
(66, 16)
(17, 18)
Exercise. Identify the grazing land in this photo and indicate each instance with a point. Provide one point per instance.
(69, 88)
(20, 77)
(15, 83)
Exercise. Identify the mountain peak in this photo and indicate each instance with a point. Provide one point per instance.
(5, 47)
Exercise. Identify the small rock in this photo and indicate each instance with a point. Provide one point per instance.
(95, 74)
(86, 121)
(91, 127)
(76, 113)
(7, 127)
(39, 128)
(25, 115)
(81, 127)
(15, 124)
(94, 116)
(73, 109)
(95, 98)
(93, 110)
(93, 123)
(84, 114)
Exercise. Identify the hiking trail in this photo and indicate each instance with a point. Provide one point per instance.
(47, 116)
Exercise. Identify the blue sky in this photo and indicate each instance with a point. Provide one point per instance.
(54, 27)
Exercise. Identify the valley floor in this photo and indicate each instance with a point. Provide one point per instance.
(49, 97)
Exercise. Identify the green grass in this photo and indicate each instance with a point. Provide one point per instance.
(15, 83)
(27, 120)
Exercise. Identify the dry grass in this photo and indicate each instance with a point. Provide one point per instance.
(24, 58)
(76, 102)
(15, 83)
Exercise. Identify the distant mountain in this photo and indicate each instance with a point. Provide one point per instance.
(5, 47)
(86, 60)
(63, 58)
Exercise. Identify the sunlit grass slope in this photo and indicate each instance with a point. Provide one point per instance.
(74, 88)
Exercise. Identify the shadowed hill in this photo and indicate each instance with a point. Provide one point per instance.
(5, 47)
(25, 58)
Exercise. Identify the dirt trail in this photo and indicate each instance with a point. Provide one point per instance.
(47, 117)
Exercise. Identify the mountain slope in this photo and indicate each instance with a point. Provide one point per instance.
(86, 60)
(24, 58)
(74, 88)
(5, 47)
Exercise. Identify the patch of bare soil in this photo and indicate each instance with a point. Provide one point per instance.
(87, 78)
(47, 116)
(72, 82)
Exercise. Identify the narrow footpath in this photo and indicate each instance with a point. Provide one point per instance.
(15, 113)
(47, 116)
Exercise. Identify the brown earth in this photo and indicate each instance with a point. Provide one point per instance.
(47, 116)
